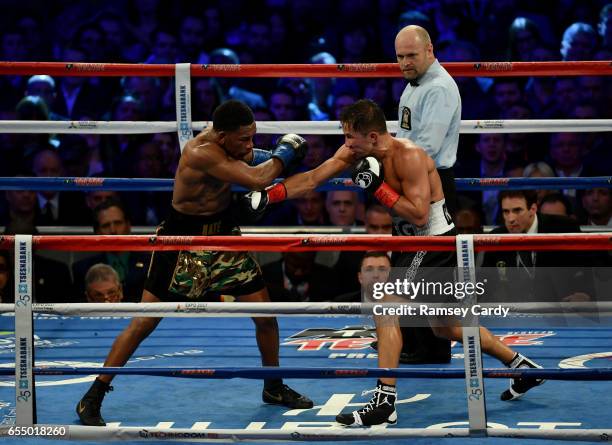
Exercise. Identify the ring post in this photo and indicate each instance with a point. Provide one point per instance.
(25, 397)
(474, 382)
(183, 103)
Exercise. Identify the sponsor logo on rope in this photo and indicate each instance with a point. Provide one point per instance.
(170, 240)
(493, 123)
(324, 241)
(86, 67)
(221, 67)
(493, 66)
(197, 372)
(88, 181)
(357, 67)
(146, 434)
(494, 181)
(83, 125)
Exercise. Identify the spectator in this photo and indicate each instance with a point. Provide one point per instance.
(92, 39)
(171, 153)
(43, 86)
(374, 267)
(318, 151)
(77, 96)
(297, 277)
(206, 98)
(556, 204)
(33, 108)
(282, 105)
(378, 221)
(94, 198)
(522, 146)
(539, 170)
(342, 208)
(21, 210)
(565, 97)
(342, 100)
(517, 270)
(165, 46)
(597, 204)
(232, 88)
(110, 218)
(605, 27)
(566, 154)
(491, 148)
(476, 103)
(102, 285)
(311, 209)
(148, 208)
(321, 90)
(148, 91)
(56, 208)
(507, 91)
(468, 221)
(523, 39)
(579, 42)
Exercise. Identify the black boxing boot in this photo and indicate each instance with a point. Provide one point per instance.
(88, 408)
(276, 392)
(521, 385)
(380, 409)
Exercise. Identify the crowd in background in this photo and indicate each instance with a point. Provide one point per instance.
(298, 31)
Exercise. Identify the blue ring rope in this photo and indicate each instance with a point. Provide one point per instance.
(593, 374)
(165, 185)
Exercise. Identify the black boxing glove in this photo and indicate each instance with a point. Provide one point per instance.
(369, 175)
(255, 203)
(290, 150)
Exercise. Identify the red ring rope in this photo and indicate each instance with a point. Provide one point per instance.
(466, 69)
(482, 243)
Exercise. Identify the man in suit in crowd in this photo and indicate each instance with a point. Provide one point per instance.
(110, 218)
(296, 277)
(560, 276)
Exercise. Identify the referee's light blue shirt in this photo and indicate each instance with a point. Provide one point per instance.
(430, 115)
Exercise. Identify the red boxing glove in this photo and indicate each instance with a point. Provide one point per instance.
(276, 193)
(386, 195)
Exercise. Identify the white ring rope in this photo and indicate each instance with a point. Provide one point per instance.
(303, 127)
(112, 433)
(238, 309)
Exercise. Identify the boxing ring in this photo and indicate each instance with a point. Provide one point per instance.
(70, 341)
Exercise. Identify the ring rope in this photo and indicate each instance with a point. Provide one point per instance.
(258, 373)
(242, 309)
(302, 127)
(464, 69)
(107, 433)
(301, 243)
(63, 183)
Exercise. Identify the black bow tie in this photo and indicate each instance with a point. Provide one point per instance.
(414, 83)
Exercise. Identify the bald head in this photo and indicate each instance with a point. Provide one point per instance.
(414, 51)
(414, 32)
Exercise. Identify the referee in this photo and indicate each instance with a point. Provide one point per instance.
(430, 115)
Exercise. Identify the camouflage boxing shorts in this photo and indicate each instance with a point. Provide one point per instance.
(203, 274)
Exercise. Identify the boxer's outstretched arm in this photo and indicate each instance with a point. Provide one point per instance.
(300, 184)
